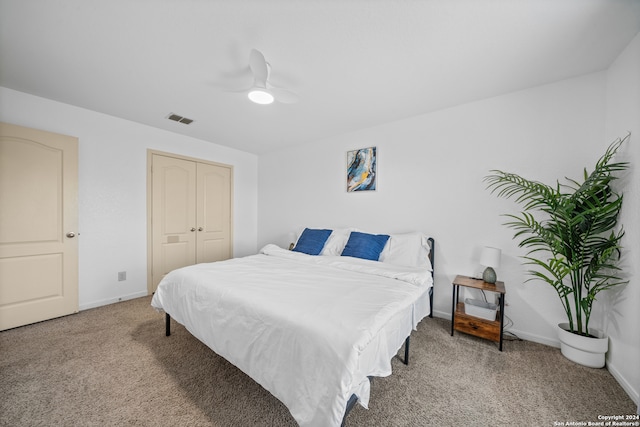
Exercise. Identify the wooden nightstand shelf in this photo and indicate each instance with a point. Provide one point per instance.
(460, 321)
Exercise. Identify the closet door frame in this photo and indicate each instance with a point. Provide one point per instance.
(150, 154)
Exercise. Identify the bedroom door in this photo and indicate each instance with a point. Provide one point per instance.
(190, 214)
(38, 225)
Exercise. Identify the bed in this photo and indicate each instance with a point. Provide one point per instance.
(311, 325)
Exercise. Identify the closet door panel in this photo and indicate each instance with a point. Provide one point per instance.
(174, 215)
(214, 213)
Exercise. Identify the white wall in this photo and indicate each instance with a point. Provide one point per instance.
(623, 322)
(431, 170)
(112, 190)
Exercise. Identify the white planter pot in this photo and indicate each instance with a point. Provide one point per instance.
(586, 351)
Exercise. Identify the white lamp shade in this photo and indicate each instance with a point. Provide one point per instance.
(490, 257)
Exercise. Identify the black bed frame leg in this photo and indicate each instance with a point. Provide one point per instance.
(167, 324)
(406, 351)
(350, 404)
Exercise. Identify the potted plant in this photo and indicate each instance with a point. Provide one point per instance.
(574, 244)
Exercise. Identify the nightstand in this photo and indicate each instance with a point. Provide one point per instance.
(461, 321)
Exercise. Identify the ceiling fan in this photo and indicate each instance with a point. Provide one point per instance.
(262, 91)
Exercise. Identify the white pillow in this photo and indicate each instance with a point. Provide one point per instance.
(337, 241)
(409, 249)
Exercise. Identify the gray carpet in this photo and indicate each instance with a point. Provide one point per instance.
(113, 366)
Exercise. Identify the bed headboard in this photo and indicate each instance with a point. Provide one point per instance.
(432, 251)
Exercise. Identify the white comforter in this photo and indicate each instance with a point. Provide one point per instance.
(309, 329)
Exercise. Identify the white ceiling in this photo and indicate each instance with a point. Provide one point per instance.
(353, 63)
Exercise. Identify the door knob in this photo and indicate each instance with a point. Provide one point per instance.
(193, 229)
(200, 228)
(71, 234)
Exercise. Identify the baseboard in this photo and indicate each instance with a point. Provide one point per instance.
(631, 391)
(442, 314)
(535, 338)
(108, 301)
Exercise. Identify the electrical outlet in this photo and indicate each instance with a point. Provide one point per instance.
(122, 276)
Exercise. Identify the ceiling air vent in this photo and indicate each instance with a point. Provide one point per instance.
(180, 119)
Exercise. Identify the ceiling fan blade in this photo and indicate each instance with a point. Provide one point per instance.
(283, 95)
(245, 90)
(259, 67)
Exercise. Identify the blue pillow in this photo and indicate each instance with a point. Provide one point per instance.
(312, 241)
(366, 246)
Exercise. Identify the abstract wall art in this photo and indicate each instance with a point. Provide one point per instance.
(362, 169)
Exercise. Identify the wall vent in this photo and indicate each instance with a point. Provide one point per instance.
(180, 119)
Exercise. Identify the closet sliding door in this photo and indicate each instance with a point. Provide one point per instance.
(189, 213)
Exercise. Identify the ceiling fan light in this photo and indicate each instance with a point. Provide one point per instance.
(260, 96)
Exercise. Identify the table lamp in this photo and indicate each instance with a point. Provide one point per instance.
(490, 258)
